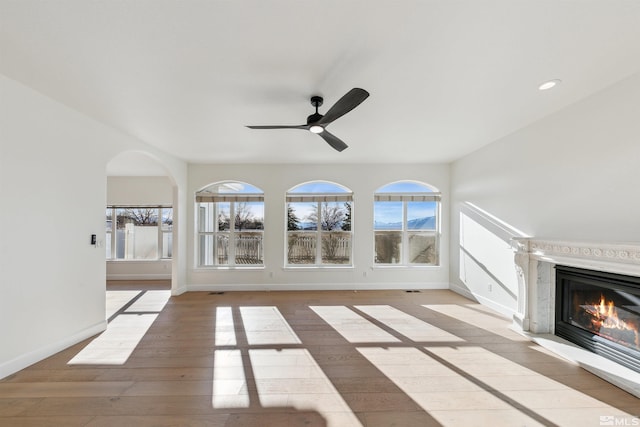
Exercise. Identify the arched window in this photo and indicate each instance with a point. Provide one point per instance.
(230, 225)
(319, 224)
(406, 224)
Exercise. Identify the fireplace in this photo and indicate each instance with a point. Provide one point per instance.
(599, 311)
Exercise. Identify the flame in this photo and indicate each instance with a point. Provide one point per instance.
(605, 316)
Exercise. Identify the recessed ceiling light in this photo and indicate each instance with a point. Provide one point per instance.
(549, 84)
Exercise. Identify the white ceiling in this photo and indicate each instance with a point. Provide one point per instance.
(446, 77)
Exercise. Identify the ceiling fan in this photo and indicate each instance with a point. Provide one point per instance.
(317, 122)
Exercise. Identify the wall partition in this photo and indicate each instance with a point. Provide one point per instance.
(303, 227)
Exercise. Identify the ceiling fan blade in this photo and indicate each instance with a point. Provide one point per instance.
(348, 102)
(333, 140)
(305, 127)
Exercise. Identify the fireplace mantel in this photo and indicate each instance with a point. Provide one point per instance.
(616, 258)
(535, 260)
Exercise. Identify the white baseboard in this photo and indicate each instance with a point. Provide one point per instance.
(163, 276)
(504, 310)
(461, 290)
(178, 291)
(28, 359)
(312, 286)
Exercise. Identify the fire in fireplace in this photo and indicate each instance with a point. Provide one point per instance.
(602, 318)
(601, 312)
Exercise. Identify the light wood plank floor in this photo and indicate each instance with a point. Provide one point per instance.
(368, 358)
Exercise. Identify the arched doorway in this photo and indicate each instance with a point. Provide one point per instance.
(140, 209)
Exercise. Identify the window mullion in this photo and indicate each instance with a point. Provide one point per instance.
(319, 234)
(114, 224)
(200, 245)
(405, 235)
(114, 230)
(216, 233)
(232, 233)
(114, 233)
(159, 253)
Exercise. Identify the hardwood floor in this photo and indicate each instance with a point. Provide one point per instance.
(114, 285)
(367, 358)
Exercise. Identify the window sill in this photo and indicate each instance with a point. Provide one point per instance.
(405, 267)
(228, 268)
(316, 267)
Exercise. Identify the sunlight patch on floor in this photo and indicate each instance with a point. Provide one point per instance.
(266, 325)
(479, 317)
(407, 325)
(532, 390)
(115, 300)
(115, 345)
(270, 378)
(438, 389)
(353, 327)
(229, 381)
(292, 378)
(225, 328)
(151, 301)
(117, 342)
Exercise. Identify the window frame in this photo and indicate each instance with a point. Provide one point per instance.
(431, 194)
(232, 235)
(111, 234)
(319, 198)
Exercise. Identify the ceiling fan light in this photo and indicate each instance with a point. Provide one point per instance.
(316, 129)
(549, 84)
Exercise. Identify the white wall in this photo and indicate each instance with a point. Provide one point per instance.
(275, 180)
(572, 176)
(139, 190)
(53, 196)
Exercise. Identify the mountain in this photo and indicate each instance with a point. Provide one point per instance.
(426, 223)
(377, 225)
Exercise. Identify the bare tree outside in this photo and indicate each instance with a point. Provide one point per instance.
(138, 216)
(331, 218)
(224, 220)
(245, 218)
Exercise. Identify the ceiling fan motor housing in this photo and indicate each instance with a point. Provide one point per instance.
(316, 101)
(315, 117)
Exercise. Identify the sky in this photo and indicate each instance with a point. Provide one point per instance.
(384, 212)
(323, 187)
(391, 212)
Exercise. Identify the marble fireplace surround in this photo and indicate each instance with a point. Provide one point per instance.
(535, 261)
